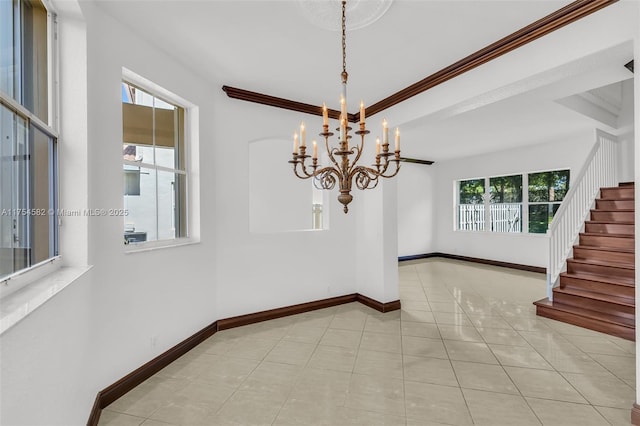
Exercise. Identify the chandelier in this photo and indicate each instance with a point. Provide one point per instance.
(344, 171)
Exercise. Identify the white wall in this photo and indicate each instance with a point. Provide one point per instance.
(260, 271)
(376, 251)
(533, 65)
(626, 133)
(416, 209)
(278, 201)
(102, 327)
(636, 157)
(521, 248)
(46, 362)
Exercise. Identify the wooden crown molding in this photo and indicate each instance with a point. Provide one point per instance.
(416, 161)
(558, 19)
(260, 98)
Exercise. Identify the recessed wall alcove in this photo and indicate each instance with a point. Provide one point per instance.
(279, 201)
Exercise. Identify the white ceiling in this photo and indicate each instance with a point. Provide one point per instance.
(268, 47)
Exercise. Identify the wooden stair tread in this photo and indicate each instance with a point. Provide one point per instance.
(598, 234)
(598, 262)
(623, 281)
(606, 248)
(610, 298)
(598, 289)
(600, 316)
(616, 199)
(609, 222)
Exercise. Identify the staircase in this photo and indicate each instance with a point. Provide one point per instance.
(598, 289)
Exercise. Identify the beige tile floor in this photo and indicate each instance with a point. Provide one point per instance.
(466, 348)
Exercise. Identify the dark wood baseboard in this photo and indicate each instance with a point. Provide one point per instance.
(94, 416)
(529, 268)
(136, 377)
(417, 257)
(378, 306)
(635, 415)
(111, 393)
(241, 320)
(518, 266)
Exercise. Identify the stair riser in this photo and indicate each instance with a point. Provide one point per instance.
(597, 287)
(594, 305)
(615, 204)
(606, 241)
(609, 271)
(612, 216)
(613, 256)
(612, 329)
(609, 228)
(616, 193)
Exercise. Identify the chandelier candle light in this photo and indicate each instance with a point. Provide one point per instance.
(343, 170)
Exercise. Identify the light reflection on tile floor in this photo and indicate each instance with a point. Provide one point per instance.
(466, 348)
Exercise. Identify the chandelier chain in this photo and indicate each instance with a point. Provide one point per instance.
(344, 39)
(345, 171)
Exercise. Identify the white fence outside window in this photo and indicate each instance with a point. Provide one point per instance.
(471, 217)
(504, 217)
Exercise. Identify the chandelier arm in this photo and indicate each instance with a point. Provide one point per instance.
(305, 175)
(385, 166)
(324, 176)
(326, 135)
(365, 177)
(331, 152)
(397, 162)
(358, 150)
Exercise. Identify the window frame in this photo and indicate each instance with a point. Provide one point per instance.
(190, 216)
(524, 204)
(13, 104)
(549, 204)
(495, 211)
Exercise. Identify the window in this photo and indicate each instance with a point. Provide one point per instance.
(507, 197)
(155, 178)
(546, 192)
(506, 203)
(471, 205)
(28, 145)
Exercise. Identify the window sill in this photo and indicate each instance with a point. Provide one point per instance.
(159, 245)
(517, 234)
(17, 305)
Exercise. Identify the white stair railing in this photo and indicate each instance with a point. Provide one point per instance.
(598, 171)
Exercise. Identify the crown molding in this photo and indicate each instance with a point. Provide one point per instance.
(261, 98)
(416, 161)
(558, 19)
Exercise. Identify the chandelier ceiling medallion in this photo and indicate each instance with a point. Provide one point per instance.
(344, 171)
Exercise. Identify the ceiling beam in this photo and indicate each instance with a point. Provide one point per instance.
(558, 19)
